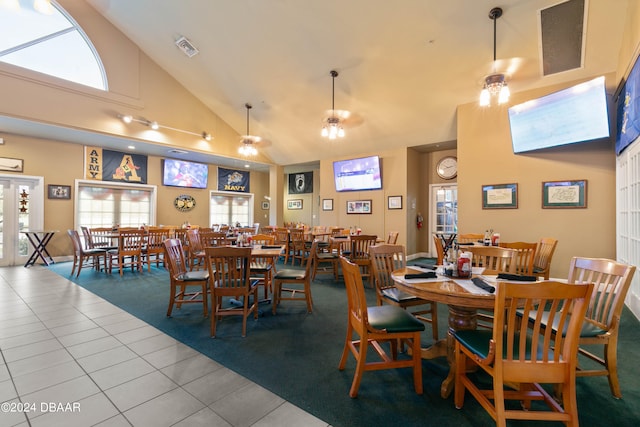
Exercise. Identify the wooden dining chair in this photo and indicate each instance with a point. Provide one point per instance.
(359, 253)
(195, 249)
(544, 253)
(82, 257)
(493, 259)
(523, 362)
(299, 247)
(377, 326)
(230, 278)
(103, 237)
(392, 237)
(526, 255)
(180, 278)
(298, 284)
(612, 280)
(262, 267)
(282, 238)
(470, 237)
(437, 243)
(385, 259)
(325, 261)
(129, 251)
(153, 248)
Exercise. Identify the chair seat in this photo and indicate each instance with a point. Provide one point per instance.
(290, 274)
(260, 267)
(397, 295)
(94, 251)
(478, 340)
(588, 330)
(327, 256)
(393, 319)
(194, 275)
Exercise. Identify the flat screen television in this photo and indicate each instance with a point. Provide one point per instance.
(181, 173)
(571, 115)
(358, 174)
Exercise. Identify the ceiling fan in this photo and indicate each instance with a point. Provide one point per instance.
(334, 121)
(248, 142)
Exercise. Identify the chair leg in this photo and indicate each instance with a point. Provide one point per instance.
(611, 365)
(361, 363)
(417, 364)
(172, 297)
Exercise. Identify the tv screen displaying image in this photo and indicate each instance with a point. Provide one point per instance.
(357, 174)
(575, 114)
(181, 173)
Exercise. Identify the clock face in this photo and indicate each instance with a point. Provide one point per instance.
(447, 168)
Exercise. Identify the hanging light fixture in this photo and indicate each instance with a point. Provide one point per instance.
(332, 127)
(247, 148)
(496, 83)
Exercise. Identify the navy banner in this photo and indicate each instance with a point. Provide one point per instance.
(233, 180)
(107, 165)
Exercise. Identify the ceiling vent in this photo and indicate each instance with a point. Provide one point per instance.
(562, 36)
(176, 151)
(187, 47)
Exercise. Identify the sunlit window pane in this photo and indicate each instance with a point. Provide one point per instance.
(50, 44)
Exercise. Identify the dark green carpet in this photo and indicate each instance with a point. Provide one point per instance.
(295, 355)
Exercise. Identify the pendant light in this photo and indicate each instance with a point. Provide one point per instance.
(494, 84)
(333, 127)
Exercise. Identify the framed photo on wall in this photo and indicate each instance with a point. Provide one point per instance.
(359, 207)
(301, 182)
(564, 194)
(327, 204)
(294, 204)
(59, 191)
(500, 196)
(394, 202)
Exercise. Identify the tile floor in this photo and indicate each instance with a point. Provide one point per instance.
(70, 358)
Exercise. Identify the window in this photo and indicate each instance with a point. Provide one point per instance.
(104, 205)
(37, 41)
(231, 208)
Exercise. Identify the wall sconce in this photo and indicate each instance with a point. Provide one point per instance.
(127, 118)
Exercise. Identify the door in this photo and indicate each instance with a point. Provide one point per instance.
(444, 211)
(21, 209)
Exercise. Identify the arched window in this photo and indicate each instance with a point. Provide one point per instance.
(50, 43)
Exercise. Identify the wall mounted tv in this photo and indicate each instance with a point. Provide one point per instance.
(357, 174)
(181, 173)
(571, 115)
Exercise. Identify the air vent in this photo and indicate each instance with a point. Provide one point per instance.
(562, 34)
(176, 151)
(187, 47)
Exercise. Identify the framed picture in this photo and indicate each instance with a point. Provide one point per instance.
(300, 183)
(294, 204)
(564, 194)
(394, 202)
(359, 207)
(500, 196)
(9, 164)
(59, 191)
(265, 206)
(327, 204)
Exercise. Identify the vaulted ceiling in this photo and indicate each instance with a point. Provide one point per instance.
(404, 66)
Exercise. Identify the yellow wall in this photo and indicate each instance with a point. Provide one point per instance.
(381, 220)
(485, 157)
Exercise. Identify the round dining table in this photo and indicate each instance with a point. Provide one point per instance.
(463, 303)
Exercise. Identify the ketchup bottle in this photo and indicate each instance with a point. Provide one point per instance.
(464, 265)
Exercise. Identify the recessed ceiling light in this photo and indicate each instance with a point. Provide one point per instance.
(247, 166)
(132, 147)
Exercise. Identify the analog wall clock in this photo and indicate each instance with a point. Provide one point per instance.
(447, 167)
(184, 203)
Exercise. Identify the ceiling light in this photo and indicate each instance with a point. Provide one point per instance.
(494, 84)
(127, 118)
(247, 148)
(332, 127)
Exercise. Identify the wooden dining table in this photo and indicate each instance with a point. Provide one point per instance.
(463, 300)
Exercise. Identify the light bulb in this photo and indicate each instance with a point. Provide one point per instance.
(485, 97)
(504, 94)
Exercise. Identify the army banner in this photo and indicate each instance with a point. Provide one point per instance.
(233, 180)
(107, 165)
